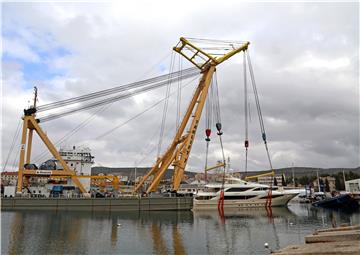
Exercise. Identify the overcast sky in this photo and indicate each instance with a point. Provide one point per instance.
(305, 57)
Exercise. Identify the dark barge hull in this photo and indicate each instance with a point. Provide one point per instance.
(98, 204)
(345, 201)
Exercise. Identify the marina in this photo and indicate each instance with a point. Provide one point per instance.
(164, 232)
(241, 139)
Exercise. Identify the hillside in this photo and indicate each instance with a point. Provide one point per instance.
(298, 171)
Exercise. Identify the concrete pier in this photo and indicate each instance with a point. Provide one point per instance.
(98, 204)
(334, 241)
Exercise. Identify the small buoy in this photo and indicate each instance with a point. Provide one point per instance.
(291, 223)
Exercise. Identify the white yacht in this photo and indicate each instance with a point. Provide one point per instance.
(241, 194)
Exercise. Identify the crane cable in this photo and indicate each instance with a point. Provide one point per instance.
(84, 123)
(178, 110)
(166, 103)
(262, 127)
(45, 152)
(117, 97)
(17, 131)
(141, 113)
(246, 115)
(38, 158)
(110, 91)
(208, 123)
(219, 133)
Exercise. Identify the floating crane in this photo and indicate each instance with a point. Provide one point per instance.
(31, 123)
(206, 59)
(204, 54)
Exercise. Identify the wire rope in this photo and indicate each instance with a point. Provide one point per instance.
(112, 99)
(109, 91)
(166, 102)
(261, 121)
(17, 131)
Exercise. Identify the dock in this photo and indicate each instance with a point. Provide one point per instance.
(98, 204)
(333, 241)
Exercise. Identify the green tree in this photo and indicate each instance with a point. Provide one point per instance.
(327, 185)
(304, 180)
(351, 175)
(339, 182)
(283, 180)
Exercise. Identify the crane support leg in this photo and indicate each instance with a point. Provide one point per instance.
(22, 156)
(185, 151)
(31, 123)
(28, 147)
(178, 152)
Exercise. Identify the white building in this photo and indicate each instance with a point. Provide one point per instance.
(353, 186)
(269, 180)
(80, 160)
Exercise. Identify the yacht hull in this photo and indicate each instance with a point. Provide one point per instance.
(212, 204)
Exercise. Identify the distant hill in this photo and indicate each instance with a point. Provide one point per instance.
(298, 171)
(130, 171)
(307, 171)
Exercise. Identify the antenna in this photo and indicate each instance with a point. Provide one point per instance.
(35, 96)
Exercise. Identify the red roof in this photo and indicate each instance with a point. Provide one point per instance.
(9, 173)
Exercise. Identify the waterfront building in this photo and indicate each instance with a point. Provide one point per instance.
(323, 180)
(269, 180)
(9, 178)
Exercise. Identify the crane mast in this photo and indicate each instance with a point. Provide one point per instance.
(177, 154)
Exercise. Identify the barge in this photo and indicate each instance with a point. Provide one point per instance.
(98, 204)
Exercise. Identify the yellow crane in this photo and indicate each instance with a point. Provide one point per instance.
(30, 123)
(177, 154)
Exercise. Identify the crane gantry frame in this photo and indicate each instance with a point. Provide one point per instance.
(30, 123)
(179, 150)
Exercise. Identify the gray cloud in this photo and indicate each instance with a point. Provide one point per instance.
(305, 57)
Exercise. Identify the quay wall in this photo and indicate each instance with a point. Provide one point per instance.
(98, 204)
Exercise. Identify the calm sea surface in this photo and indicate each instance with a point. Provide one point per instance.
(239, 232)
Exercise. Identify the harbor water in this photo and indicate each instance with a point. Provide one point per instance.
(164, 232)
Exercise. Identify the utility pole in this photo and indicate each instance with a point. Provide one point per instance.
(228, 165)
(344, 176)
(318, 180)
(293, 174)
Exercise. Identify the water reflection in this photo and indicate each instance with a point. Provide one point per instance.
(238, 232)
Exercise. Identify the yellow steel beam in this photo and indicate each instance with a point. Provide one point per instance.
(56, 154)
(272, 173)
(214, 60)
(232, 53)
(214, 167)
(185, 42)
(179, 138)
(185, 151)
(31, 123)
(164, 167)
(22, 155)
(29, 144)
(196, 103)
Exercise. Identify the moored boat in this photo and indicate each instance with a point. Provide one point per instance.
(342, 201)
(242, 194)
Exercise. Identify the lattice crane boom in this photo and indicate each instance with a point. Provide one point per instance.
(206, 57)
